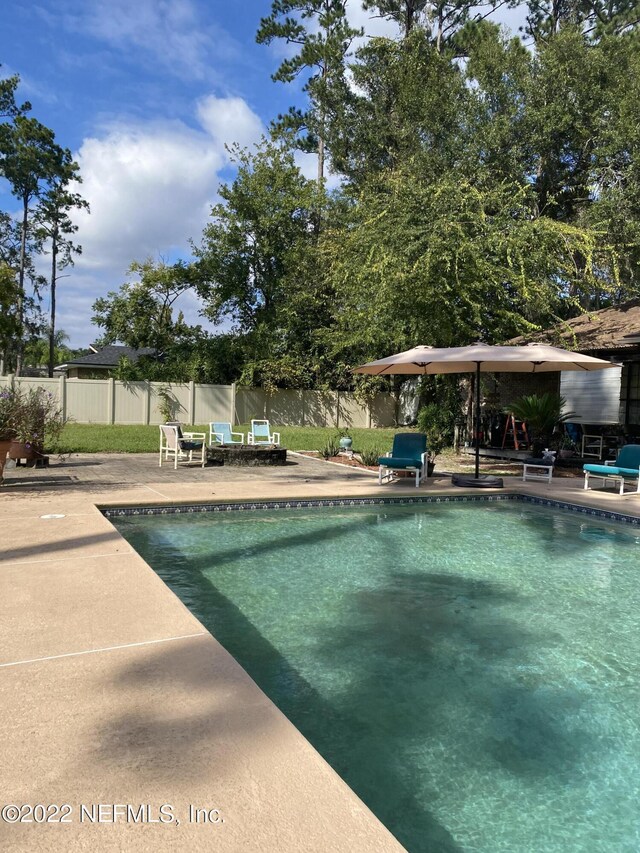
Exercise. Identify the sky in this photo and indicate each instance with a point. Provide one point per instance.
(146, 94)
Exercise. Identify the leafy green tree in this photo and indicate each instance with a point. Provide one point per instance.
(323, 44)
(446, 264)
(258, 266)
(140, 314)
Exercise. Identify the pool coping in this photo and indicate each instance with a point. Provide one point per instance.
(113, 511)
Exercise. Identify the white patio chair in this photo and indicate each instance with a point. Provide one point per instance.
(181, 447)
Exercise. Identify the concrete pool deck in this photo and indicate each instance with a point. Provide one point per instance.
(112, 693)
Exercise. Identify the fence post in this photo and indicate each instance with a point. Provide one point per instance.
(111, 400)
(368, 412)
(337, 424)
(62, 394)
(233, 403)
(192, 402)
(146, 402)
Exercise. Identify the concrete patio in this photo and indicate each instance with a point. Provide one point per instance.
(113, 693)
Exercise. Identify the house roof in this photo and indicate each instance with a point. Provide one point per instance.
(108, 357)
(606, 330)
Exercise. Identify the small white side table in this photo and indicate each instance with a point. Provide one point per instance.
(536, 471)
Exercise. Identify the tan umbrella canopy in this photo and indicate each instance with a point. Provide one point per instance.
(482, 358)
(531, 358)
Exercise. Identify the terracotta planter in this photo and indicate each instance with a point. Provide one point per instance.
(4, 449)
(21, 450)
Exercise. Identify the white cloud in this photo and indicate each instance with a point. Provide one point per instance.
(229, 120)
(150, 187)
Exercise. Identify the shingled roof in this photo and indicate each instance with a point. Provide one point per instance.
(108, 357)
(609, 329)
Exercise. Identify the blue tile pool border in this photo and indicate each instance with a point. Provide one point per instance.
(239, 506)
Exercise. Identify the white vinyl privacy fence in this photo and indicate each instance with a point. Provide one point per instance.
(111, 401)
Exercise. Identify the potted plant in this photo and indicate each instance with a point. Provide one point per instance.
(541, 413)
(36, 416)
(8, 400)
(344, 439)
(566, 448)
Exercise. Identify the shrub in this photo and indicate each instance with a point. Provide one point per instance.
(36, 416)
(370, 457)
(437, 423)
(9, 400)
(331, 448)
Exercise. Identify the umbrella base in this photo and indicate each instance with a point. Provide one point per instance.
(484, 481)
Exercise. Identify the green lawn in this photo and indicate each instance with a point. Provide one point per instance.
(101, 438)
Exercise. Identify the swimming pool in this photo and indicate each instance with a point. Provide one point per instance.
(470, 670)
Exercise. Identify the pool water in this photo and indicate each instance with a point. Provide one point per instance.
(471, 671)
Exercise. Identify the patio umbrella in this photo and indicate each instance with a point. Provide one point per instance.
(482, 358)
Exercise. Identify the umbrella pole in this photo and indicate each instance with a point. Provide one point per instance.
(477, 420)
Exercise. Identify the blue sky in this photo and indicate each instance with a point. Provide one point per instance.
(146, 93)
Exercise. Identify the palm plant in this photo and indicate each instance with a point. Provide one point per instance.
(541, 413)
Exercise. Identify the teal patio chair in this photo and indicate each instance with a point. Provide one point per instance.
(409, 453)
(261, 434)
(626, 467)
(220, 433)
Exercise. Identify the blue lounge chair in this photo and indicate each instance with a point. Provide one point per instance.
(261, 434)
(409, 453)
(220, 433)
(626, 467)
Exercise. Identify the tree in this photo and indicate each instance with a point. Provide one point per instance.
(140, 314)
(8, 314)
(8, 106)
(37, 350)
(28, 160)
(323, 47)
(53, 223)
(408, 102)
(446, 263)
(259, 267)
(405, 13)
